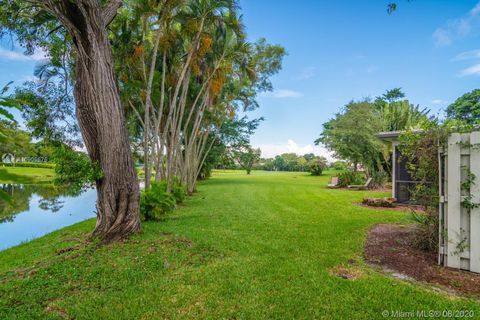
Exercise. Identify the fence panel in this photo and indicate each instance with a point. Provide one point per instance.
(460, 197)
(475, 212)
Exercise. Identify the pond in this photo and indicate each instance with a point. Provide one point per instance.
(40, 209)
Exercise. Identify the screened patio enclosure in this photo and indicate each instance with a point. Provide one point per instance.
(402, 182)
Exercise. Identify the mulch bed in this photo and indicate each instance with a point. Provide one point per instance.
(416, 209)
(390, 247)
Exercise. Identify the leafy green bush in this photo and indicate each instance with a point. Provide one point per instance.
(317, 165)
(179, 191)
(347, 178)
(316, 169)
(75, 168)
(340, 165)
(156, 202)
(426, 235)
(28, 165)
(379, 179)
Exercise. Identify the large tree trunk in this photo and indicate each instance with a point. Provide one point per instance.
(100, 115)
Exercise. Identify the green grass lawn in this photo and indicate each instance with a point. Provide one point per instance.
(245, 247)
(25, 175)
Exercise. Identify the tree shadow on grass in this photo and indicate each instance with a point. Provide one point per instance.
(7, 177)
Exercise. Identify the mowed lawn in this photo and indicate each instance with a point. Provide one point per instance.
(25, 175)
(244, 247)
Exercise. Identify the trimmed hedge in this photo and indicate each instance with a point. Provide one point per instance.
(28, 165)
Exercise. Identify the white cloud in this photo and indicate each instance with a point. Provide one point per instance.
(476, 10)
(18, 56)
(306, 73)
(439, 102)
(272, 150)
(467, 55)
(442, 37)
(456, 28)
(473, 70)
(283, 94)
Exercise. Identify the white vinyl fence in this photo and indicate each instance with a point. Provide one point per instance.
(460, 202)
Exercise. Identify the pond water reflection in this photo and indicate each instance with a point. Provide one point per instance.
(36, 210)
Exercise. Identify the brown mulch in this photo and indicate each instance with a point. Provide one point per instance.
(390, 247)
(415, 209)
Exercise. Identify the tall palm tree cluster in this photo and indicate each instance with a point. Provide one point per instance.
(185, 68)
(175, 73)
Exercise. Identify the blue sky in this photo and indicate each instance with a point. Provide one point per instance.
(342, 50)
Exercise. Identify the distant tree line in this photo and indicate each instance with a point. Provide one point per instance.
(284, 162)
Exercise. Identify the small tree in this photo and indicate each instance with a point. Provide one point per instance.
(466, 108)
(247, 157)
(317, 165)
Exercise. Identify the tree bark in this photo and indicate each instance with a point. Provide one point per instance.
(100, 115)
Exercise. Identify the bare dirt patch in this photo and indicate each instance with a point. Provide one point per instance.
(390, 247)
(347, 273)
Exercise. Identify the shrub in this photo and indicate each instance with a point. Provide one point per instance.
(75, 168)
(349, 177)
(426, 236)
(316, 168)
(179, 191)
(29, 165)
(379, 179)
(156, 202)
(340, 165)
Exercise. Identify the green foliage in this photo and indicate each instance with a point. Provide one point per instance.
(466, 108)
(392, 7)
(234, 132)
(352, 133)
(49, 112)
(156, 202)
(420, 150)
(393, 95)
(426, 237)
(350, 141)
(5, 115)
(350, 177)
(294, 163)
(399, 115)
(316, 166)
(16, 141)
(340, 165)
(466, 186)
(379, 179)
(179, 191)
(75, 168)
(29, 165)
(246, 156)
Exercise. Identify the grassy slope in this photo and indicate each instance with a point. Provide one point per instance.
(25, 175)
(257, 246)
